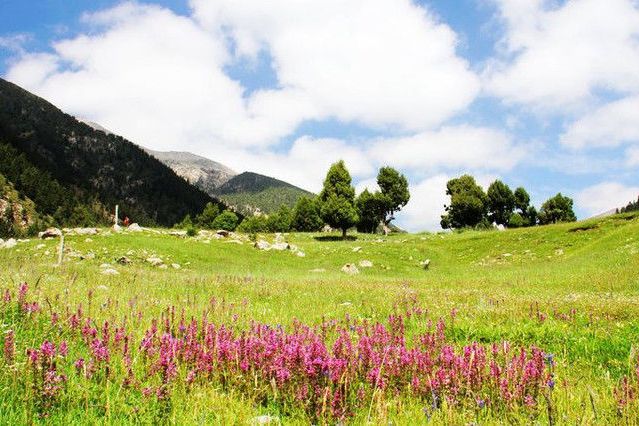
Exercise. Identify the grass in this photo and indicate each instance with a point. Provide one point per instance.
(570, 289)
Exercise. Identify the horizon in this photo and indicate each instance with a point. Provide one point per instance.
(539, 94)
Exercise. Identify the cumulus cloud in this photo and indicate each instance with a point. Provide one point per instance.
(378, 62)
(608, 126)
(557, 56)
(605, 196)
(459, 147)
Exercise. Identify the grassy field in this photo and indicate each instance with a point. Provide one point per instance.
(571, 290)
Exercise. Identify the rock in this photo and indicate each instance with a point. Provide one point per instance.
(116, 228)
(558, 252)
(345, 304)
(109, 271)
(300, 254)
(279, 238)
(134, 227)
(103, 287)
(507, 254)
(84, 231)
(365, 264)
(105, 265)
(177, 233)
(264, 420)
(425, 264)
(38, 247)
(500, 227)
(10, 243)
(50, 233)
(350, 269)
(327, 228)
(357, 249)
(223, 233)
(262, 245)
(123, 260)
(163, 266)
(279, 246)
(155, 261)
(175, 265)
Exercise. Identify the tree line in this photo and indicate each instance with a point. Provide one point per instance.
(471, 207)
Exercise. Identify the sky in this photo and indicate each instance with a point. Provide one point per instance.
(538, 93)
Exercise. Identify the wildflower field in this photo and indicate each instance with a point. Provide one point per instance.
(537, 325)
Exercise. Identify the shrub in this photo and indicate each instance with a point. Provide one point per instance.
(227, 221)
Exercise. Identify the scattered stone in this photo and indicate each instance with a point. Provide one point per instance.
(109, 271)
(365, 264)
(38, 247)
(46, 253)
(559, 252)
(264, 420)
(10, 243)
(357, 249)
(116, 228)
(50, 233)
(134, 227)
(123, 260)
(507, 254)
(155, 261)
(327, 228)
(425, 264)
(175, 265)
(178, 233)
(84, 231)
(262, 245)
(223, 233)
(300, 254)
(103, 287)
(345, 304)
(105, 265)
(279, 238)
(500, 227)
(279, 246)
(163, 266)
(350, 269)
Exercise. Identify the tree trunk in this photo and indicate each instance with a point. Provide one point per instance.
(344, 233)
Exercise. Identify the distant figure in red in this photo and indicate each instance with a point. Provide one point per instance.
(126, 221)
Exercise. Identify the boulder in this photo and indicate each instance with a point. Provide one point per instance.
(223, 233)
(279, 238)
(50, 233)
(116, 228)
(327, 228)
(10, 243)
(177, 233)
(123, 260)
(155, 261)
(85, 231)
(134, 227)
(365, 264)
(262, 245)
(280, 246)
(350, 269)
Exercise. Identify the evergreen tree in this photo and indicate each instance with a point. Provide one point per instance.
(337, 199)
(306, 215)
(468, 203)
(394, 191)
(280, 221)
(501, 202)
(206, 219)
(371, 208)
(557, 209)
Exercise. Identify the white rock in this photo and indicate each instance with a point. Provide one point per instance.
(175, 265)
(105, 265)
(300, 254)
(134, 227)
(356, 249)
(264, 420)
(110, 271)
(163, 266)
(262, 245)
(155, 261)
(103, 287)
(50, 233)
(177, 233)
(39, 246)
(365, 264)
(116, 228)
(425, 264)
(84, 231)
(350, 269)
(279, 246)
(10, 243)
(223, 233)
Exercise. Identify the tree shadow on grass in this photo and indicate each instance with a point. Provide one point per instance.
(335, 238)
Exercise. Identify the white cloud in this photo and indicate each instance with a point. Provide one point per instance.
(378, 62)
(558, 56)
(608, 126)
(605, 196)
(426, 205)
(461, 147)
(632, 157)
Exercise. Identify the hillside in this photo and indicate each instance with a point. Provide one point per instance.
(566, 292)
(248, 191)
(67, 167)
(17, 214)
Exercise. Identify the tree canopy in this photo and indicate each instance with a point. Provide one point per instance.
(557, 209)
(338, 199)
(468, 203)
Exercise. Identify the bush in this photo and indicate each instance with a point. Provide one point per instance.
(253, 225)
(227, 221)
(516, 221)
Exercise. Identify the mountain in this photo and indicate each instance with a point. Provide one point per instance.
(73, 172)
(204, 173)
(248, 191)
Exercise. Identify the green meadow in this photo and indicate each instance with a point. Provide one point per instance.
(570, 289)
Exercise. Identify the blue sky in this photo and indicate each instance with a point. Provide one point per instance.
(541, 94)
